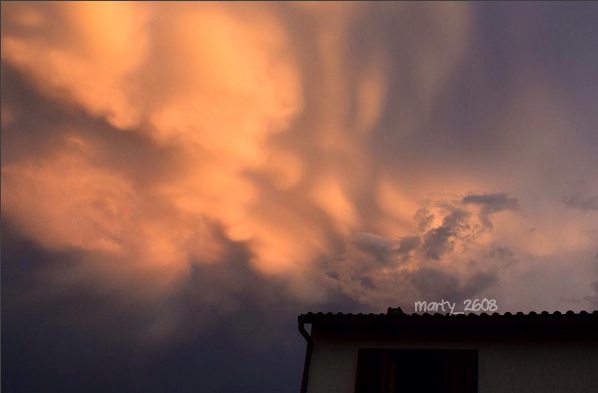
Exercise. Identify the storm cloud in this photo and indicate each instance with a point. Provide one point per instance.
(180, 180)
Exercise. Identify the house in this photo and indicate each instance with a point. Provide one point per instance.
(442, 353)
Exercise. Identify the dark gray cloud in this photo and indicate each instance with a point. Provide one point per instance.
(407, 244)
(386, 251)
(424, 218)
(435, 241)
(438, 241)
(379, 247)
(490, 204)
(366, 282)
(582, 202)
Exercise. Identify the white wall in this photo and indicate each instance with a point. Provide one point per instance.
(502, 366)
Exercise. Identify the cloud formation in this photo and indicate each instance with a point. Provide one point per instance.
(329, 156)
(490, 204)
(180, 180)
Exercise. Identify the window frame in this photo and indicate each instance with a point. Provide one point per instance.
(383, 361)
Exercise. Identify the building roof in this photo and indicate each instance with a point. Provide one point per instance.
(397, 314)
(568, 325)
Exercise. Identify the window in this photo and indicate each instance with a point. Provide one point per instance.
(417, 371)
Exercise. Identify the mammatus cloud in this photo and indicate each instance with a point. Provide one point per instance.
(299, 140)
(221, 87)
(208, 88)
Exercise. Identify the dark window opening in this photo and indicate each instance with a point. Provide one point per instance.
(417, 371)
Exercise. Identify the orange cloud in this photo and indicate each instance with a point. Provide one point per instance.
(213, 87)
(257, 128)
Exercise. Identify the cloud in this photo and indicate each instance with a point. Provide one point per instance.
(450, 253)
(378, 246)
(183, 179)
(182, 103)
(437, 241)
(490, 204)
(211, 100)
(387, 251)
(325, 153)
(80, 62)
(408, 244)
(582, 202)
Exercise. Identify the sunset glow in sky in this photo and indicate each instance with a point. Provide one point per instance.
(167, 167)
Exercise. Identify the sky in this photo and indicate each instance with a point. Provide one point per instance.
(181, 180)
